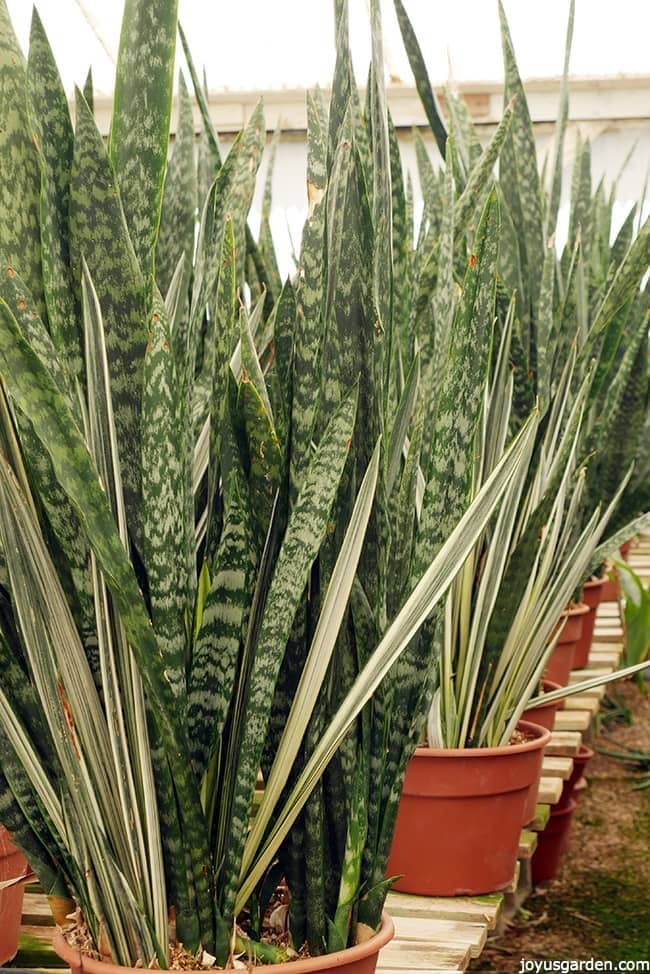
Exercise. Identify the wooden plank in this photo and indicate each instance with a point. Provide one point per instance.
(563, 744)
(572, 720)
(577, 676)
(473, 909)
(608, 610)
(413, 955)
(605, 655)
(609, 661)
(585, 702)
(434, 930)
(604, 647)
(527, 844)
(557, 767)
(549, 791)
(36, 910)
(608, 634)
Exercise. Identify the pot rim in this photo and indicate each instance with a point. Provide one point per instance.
(563, 810)
(595, 581)
(309, 965)
(541, 739)
(580, 609)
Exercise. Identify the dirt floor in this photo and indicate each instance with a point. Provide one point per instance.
(599, 906)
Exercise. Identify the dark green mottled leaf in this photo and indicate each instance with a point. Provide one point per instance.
(99, 235)
(519, 179)
(305, 533)
(163, 501)
(34, 392)
(265, 242)
(418, 67)
(308, 339)
(560, 130)
(178, 216)
(20, 242)
(142, 104)
(50, 119)
(218, 643)
(461, 396)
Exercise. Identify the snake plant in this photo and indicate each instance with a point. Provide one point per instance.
(210, 505)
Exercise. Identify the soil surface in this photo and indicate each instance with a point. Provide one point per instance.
(599, 906)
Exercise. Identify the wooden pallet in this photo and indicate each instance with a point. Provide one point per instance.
(437, 933)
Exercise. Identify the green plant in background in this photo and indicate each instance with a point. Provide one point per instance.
(570, 330)
(636, 616)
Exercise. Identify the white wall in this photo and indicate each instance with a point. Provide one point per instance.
(611, 145)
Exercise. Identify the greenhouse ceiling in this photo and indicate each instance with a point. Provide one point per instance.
(267, 45)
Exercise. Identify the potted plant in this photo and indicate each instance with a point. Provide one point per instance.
(500, 624)
(14, 870)
(187, 505)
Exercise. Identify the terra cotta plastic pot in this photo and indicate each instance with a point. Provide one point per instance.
(461, 815)
(552, 843)
(580, 761)
(592, 594)
(612, 587)
(560, 663)
(12, 865)
(545, 714)
(625, 549)
(360, 959)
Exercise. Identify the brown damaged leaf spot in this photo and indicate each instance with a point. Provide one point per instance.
(472, 260)
(21, 305)
(11, 272)
(69, 719)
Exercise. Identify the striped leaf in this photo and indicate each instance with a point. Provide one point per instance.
(163, 501)
(382, 198)
(308, 339)
(35, 393)
(142, 103)
(460, 400)
(178, 214)
(430, 588)
(518, 169)
(216, 653)
(20, 242)
(555, 186)
(265, 242)
(211, 139)
(305, 533)
(264, 451)
(422, 83)
(481, 175)
(218, 366)
(89, 90)
(99, 236)
(580, 216)
(626, 280)
(317, 126)
(50, 120)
